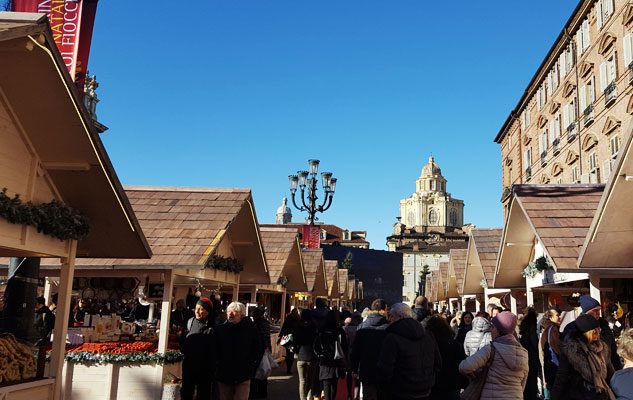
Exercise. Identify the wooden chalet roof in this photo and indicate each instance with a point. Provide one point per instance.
(457, 260)
(278, 244)
(185, 226)
(331, 273)
(443, 280)
(561, 216)
(343, 281)
(483, 249)
(312, 260)
(558, 216)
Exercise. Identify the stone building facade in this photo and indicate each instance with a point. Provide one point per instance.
(568, 125)
(431, 223)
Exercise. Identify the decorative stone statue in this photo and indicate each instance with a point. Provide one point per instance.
(90, 95)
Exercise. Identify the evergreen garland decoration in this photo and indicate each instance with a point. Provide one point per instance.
(52, 219)
(225, 264)
(144, 357)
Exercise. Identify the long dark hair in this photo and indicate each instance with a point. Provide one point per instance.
(439, 327)
(461, 321)
(528, 323)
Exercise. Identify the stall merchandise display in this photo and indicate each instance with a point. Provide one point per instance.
(16, 360)
(121, 353)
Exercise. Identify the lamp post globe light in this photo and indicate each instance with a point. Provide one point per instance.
(308, 180)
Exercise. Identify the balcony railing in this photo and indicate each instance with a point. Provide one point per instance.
(588, 115)
(571, 132)
(610, 94)
(543, 158)
(556, 146)
(528, 173)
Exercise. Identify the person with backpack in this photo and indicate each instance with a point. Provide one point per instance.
(307, 362)
(197, 344)
(328, 346)
(550, 342)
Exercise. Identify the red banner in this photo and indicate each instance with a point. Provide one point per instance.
(311, 236)
(71, 23)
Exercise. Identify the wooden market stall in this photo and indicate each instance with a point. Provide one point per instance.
(545, 228)
(287, 274)
(442, 294)
(607, 251)
(481, 261)
(331, 273)
(202, 239)
(51, 156)
(315, 278)
(456, 270)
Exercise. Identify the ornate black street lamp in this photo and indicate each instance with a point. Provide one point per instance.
(308, 179)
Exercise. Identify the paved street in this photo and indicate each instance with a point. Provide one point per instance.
(282, 386)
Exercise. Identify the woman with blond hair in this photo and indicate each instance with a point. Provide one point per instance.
(622, 381)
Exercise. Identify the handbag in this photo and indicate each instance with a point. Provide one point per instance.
(286, 340)
(476, 386)
(338, 350)
(266, 366)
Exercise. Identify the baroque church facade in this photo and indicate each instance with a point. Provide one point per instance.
(431, 223)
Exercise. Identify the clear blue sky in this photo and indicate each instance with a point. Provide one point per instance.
(243, 93)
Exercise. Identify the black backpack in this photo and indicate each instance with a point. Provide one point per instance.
(324, 346)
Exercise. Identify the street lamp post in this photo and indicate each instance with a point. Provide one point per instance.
(308, 179)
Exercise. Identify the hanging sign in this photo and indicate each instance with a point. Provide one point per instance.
(311, 236)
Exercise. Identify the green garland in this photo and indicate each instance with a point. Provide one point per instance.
(225, 264)
(53, 219)
(85, 357)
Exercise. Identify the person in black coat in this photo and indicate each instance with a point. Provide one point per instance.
(529, 341)
(330, 341)
(239, 352)
(449, 381)
(307, 363)
(366, 348)
(465, 325)
(198, 347)
(409, 358)
(44, 322)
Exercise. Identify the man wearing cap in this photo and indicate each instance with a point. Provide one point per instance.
(592, 307)
(197, 344)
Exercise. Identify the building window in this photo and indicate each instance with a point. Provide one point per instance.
(453, 217)
(566, 60)
(543, 142)
(569, 119)
(587, 96)
(582, 37)
(628, 50)
(554, 133)
(527, 163)
(608, 75)
(614, 146)
(525, 119)
(432, 184)
(604, 10)
(575, 174)
(411, 218)
(541, 97)
(593, 168)
(432, 217)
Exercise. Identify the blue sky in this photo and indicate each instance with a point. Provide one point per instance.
(243, 93)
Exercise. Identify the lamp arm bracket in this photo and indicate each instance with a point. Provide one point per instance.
(294, 203)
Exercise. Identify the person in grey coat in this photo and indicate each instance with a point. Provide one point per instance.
(478, 337)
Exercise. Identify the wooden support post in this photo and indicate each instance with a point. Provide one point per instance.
(594, 287)
(236, 289)
(61, 322)
(477, 304)
(283, 307)
(513, 303)
(163, 333)
(254, 294)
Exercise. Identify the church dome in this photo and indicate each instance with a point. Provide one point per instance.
(284, 209)
(431, 168)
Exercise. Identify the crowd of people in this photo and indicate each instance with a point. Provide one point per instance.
(415, 353)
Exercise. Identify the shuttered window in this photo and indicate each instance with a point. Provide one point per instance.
(628, 49)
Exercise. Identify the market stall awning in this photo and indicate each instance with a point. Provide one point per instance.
(331, 273)
(283, 255)
(49, 149)
(195, 231)
(557, 216)
(457, 269)
(609, 243)
(315, 272)
(343, 279)
(483, 248)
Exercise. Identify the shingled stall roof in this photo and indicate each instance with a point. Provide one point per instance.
(481, 261)
(49, 149)
(331, 272)
(557, 216)
(457, 268)
(609, 243)
(343, 280)
(283, 256)
(443, 281)
(186, 226)
(315, 272)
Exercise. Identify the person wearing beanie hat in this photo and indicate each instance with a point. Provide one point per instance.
(197, 344)
(585, 363)
(592, 307)
(506, 359)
